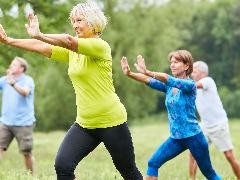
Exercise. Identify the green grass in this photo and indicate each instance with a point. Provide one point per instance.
(98, 165)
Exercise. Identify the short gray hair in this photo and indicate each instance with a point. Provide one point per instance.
(202, 66)
(93, 14)
(22, 62)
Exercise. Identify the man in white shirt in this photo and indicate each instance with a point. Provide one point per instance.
(214, 121)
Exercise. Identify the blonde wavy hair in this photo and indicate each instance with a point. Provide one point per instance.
(93, 15)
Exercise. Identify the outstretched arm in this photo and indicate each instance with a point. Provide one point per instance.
(136, 76)
(63, 40)
(26, 44)
(183, 84)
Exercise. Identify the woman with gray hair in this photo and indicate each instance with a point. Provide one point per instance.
(101, 117)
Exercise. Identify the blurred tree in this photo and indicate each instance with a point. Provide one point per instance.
(210, 30)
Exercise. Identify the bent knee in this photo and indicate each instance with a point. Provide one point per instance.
(63, 166)
(131, 174)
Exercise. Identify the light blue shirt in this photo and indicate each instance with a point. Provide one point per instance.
(17, 110)
(180, 106)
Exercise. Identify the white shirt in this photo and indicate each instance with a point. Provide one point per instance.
(209, 105)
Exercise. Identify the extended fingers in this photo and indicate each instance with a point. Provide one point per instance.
(2, 32)
(124, 61)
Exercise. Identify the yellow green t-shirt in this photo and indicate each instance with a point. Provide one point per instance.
(90, 71)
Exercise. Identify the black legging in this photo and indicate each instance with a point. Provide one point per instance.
(79, 142)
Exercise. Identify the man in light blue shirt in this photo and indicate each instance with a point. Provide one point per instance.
(17, 118)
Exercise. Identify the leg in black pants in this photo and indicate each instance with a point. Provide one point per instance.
(75, 146)
(118, 142)
(79, 142)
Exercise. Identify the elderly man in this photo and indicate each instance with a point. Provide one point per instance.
(17, 119)
(214, 121)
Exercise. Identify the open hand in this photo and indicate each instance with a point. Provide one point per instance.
(125, 67)
(140, 65)
(3, 35)
(33, 26)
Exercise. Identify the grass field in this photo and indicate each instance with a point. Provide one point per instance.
(98, 166)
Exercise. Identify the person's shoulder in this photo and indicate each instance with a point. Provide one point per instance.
(190, 80)
(2, 78)
(103, 42)
(28, 77)
(208, 79)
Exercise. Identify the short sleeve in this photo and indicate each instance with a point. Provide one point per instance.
(28, 83)
(206, 82)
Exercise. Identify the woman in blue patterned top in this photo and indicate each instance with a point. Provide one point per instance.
(185, 132)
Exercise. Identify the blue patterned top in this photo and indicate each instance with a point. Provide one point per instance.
(180, 105)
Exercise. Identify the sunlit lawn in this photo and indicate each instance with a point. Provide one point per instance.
(98, 165)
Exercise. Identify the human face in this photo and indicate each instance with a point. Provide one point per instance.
(178, 68)
(196, 74)
(15, 67)
(81, 26)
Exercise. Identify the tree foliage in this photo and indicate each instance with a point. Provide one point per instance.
(209, 29)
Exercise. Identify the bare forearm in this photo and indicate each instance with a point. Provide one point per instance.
(157, 75)
(31, 45)
(21, 90)
(139, 77)
(62, 40)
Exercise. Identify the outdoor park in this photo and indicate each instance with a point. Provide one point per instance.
(209, 29)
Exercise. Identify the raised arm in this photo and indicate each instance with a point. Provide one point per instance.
(26, 44)
(63, 40)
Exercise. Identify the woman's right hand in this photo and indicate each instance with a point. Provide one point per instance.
(32, 27)
(3, 35)
(125, 67)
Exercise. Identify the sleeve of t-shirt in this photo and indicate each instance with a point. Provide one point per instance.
(186, 85)
(59, 53)
(156, 84)
(206, 82)
(94, 47)
(29, 83)
(2, 79)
